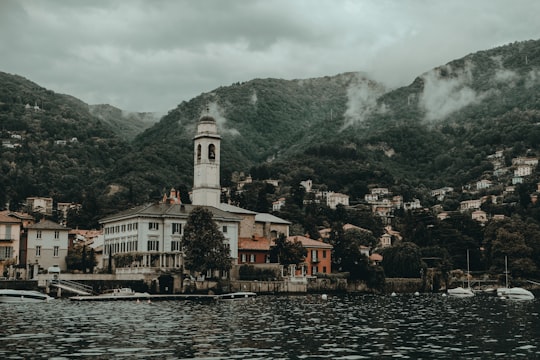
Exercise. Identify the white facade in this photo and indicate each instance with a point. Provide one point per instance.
(334, 199)
(206, 184)
(47, 245)
(154, 232)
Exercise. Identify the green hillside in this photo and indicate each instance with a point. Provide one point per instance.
(344, 131)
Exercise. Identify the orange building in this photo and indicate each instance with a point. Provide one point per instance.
(319, 255)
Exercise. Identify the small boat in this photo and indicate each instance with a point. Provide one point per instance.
(514, 293)
(20, 296)
(113, 294)
(461, 291)
(236, 296)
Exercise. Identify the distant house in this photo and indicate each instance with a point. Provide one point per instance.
(479, 216)
(483, 184)
(43, 205)
(470, 204)
(334, 199)
(278, 204)
(523, 170)
(531, 161)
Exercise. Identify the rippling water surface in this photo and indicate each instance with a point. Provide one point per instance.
(275, 327)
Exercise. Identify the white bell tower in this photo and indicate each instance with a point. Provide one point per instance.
(206, 187)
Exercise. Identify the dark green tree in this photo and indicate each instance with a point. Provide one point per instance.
(287, 252)
(204, 244)
(402, 260)
(80, 258)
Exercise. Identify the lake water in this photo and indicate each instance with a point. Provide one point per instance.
(275, 327)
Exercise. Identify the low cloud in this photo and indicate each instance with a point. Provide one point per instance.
(362, 98)
(216, 111)
(444, 95)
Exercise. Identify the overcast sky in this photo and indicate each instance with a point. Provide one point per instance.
(152, 55)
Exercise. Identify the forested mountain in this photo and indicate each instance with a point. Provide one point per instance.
(345, 131)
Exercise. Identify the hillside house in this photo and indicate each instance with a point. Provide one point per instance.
(470, 204)
(483, 184)
(523, 170)
(479, 216)
(334, 199)
(43, 205)
(254, 250)
(529, 161)
(278, 204)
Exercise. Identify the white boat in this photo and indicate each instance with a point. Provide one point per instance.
(461, 291)
(514, 293)
(20, 296)
(113, 294)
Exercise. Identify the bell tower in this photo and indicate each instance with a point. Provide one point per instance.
(206, 187)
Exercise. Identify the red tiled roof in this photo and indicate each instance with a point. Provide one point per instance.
(310, 243)
(254, 243)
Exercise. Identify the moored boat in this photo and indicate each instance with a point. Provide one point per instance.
(461, 292)
(236, 295)
(20, 296)
(113, 294)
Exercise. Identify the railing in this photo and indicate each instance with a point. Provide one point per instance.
(73, 285)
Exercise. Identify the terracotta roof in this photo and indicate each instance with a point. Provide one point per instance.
(375, 257)
(9, 219)
(310, 243)
(254, 243)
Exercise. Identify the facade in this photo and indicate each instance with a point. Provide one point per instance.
(43, 205)
(10, 234)
(154, 232)
(334, 199)
(319, 256)
(47, 245)
(254, 250)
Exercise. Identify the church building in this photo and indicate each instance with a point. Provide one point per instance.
(148, 237)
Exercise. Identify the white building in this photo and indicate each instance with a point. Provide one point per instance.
(334, 199)
(47, 245)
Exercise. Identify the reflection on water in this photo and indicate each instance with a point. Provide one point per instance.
(275, 327)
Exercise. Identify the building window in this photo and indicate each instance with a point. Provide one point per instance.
(153, 245)
(199, 153)
(153, 226)
(314, 255)
(324, 269)
(38, 250)
(252, 258)
(176, 245)
(176, 228)
(38, 234)
(57, 234)
(314, 270)
(135, 226)
(211, 152)
(123, 228)
(6, 252)
(224, 229)
(324, 254)
(56, 251)
(129, 226)
(243, 258)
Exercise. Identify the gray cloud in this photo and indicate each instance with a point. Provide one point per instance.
(152, 55)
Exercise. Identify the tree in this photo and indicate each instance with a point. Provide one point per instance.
(402, 260)
(79, 258)
(204, 244)
(287, 252)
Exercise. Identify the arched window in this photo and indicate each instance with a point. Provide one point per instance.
(199, 153)
(212, 152)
